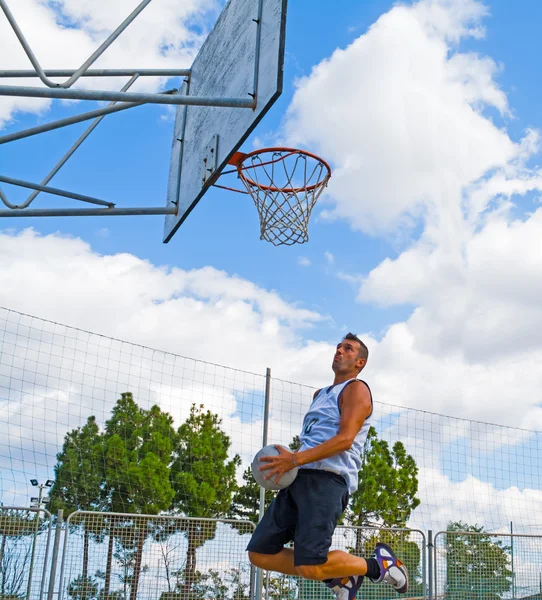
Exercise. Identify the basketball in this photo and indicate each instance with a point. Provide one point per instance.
(259, 476)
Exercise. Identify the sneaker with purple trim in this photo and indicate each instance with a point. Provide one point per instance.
(345, 588)
(392, 570)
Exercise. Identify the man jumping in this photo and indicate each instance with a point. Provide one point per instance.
(332, 440)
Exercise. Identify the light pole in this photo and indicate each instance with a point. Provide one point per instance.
(36, 503)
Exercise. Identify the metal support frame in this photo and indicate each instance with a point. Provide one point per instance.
(125, 99)
(267, 401)
(100, 112)
(56, 553)
(56, 169)
(104, 95)
(88, 212)
(48, 190)
(12, 74)
(90, 60)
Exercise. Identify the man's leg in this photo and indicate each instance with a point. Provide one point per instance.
(338, 564)
(383, 566)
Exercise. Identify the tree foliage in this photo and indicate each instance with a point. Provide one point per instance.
(140, 464)
(246, 500)
(201, 474)
(388, 484)
(477, 568)
(203, 478)
(79, 485)
(79, 474)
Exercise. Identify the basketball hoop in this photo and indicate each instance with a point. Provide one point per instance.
(284, 183)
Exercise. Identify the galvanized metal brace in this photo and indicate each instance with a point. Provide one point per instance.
(128, 99)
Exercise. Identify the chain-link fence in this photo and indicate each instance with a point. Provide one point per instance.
(63, 390)
(475, 565)
(410, 546)
(130, 429)
(25, 542)
(125, 556)
(121, 556)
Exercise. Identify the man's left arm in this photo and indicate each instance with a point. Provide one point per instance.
(355, 407)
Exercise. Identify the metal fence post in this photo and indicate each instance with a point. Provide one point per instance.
(430, 553)
(259, 573)
(56, 547)
(33, 552)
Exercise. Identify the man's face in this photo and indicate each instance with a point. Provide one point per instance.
(347, 357)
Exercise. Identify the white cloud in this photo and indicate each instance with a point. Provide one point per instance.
(203, 313)
(404, 134)
(57, 376)
(419, 140)
(330, 259)
(303, 261)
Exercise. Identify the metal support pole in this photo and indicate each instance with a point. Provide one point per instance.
(265, 430)
(50, 190)
(112, 108)
(45, 558)
(9, 74)
(34, 541)
(56, 548)
(93, 114)
(87, 63)
(259, 573)
(89, 212)
(106, 95)
(512, 559)
(430, 562)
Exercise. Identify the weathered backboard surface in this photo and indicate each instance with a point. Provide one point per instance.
(205, 137)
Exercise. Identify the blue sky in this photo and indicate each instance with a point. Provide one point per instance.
(387, 263)
(127, 160)
(427, 242)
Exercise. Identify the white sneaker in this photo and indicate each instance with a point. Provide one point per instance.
(345, 588)
(392, 570)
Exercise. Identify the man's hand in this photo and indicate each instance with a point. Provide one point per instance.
(278, 465)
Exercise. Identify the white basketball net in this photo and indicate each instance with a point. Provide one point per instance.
(284, 184)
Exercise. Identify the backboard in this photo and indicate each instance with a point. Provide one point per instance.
(241, 59)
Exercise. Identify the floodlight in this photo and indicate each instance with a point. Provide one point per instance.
(49, 483)
(45, 500)
(34, 499)
(34, 482)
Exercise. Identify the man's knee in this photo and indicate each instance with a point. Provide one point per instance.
(258, 560)
(310, 572)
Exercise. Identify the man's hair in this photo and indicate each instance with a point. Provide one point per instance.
(363, 350)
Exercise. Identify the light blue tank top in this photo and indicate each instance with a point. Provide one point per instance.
(322, 423)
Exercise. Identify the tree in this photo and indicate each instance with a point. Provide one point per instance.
(388, 483)
(204, 481)
(246, 500)
(477, 567)
(138, 447)
(386, 497)
(78, 485)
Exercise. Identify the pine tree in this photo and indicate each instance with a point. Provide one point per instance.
(203, 477)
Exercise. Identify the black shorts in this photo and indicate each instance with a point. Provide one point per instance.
(306, 512)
